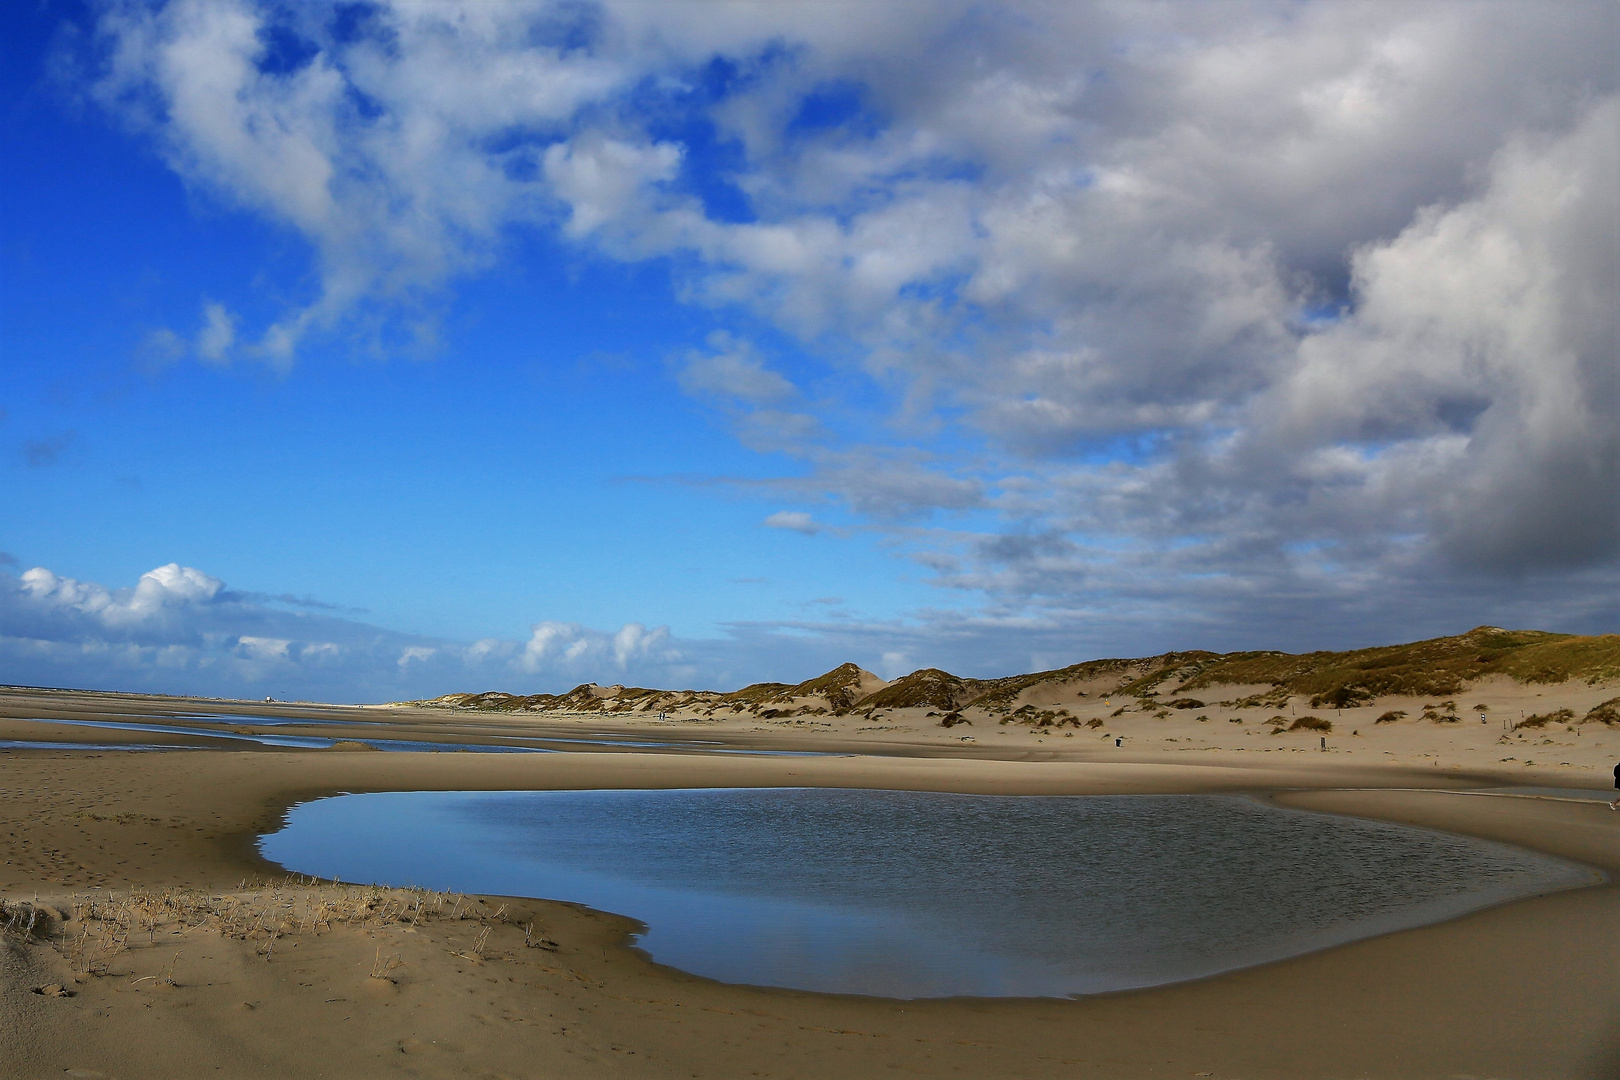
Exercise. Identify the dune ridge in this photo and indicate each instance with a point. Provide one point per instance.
(1436, 667)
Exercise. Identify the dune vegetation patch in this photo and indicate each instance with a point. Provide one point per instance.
(1443, 713)
(928, 688)
(1607, 712)
(1541, 720)
(1343, 697)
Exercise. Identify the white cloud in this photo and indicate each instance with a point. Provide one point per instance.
(635, 642)
(575, 651)
(180, 630)
(261, 648)
(167, 587)
(794, 520)
(415, 654)
(605, 181)
(218, 334)
(734, 371)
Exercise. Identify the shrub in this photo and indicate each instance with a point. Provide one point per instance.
(1311, 723)
(1343, 697)
(1095, 721)
(1541, 720)
(1606, 713)
(1186, 703)
(951, 719)
(1391, 716)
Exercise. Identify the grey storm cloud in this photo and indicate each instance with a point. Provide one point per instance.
(1276, 304)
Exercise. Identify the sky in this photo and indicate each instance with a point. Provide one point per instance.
(368, 351)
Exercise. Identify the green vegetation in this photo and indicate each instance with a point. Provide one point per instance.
(757, 693)
(841, 687)
(1434, 667)
(1391, 716)
(1311, 723)
(928, 688)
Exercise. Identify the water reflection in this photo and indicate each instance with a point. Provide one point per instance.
(917, 894)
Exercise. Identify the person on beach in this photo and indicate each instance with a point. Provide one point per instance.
(1615, 805)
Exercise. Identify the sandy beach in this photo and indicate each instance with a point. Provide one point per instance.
(189, 956)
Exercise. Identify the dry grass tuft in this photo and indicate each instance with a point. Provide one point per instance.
(1541, 720)
(1606, 713)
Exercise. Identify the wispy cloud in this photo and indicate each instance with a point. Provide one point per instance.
(795, 521)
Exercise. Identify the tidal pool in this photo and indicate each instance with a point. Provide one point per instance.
(914, 894)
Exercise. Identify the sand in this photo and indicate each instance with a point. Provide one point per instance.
(1529, 989)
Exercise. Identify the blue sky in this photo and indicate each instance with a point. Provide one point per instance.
(407, 349)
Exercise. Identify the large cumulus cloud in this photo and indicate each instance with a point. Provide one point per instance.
(1237, 301)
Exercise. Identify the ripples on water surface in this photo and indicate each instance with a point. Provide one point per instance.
(910, 894)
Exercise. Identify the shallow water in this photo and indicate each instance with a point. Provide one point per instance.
(269, 720)
(1593, 794)
(535, 744)
(302, 742)
(907, 894)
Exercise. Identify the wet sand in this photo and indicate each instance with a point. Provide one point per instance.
(1529, 989)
